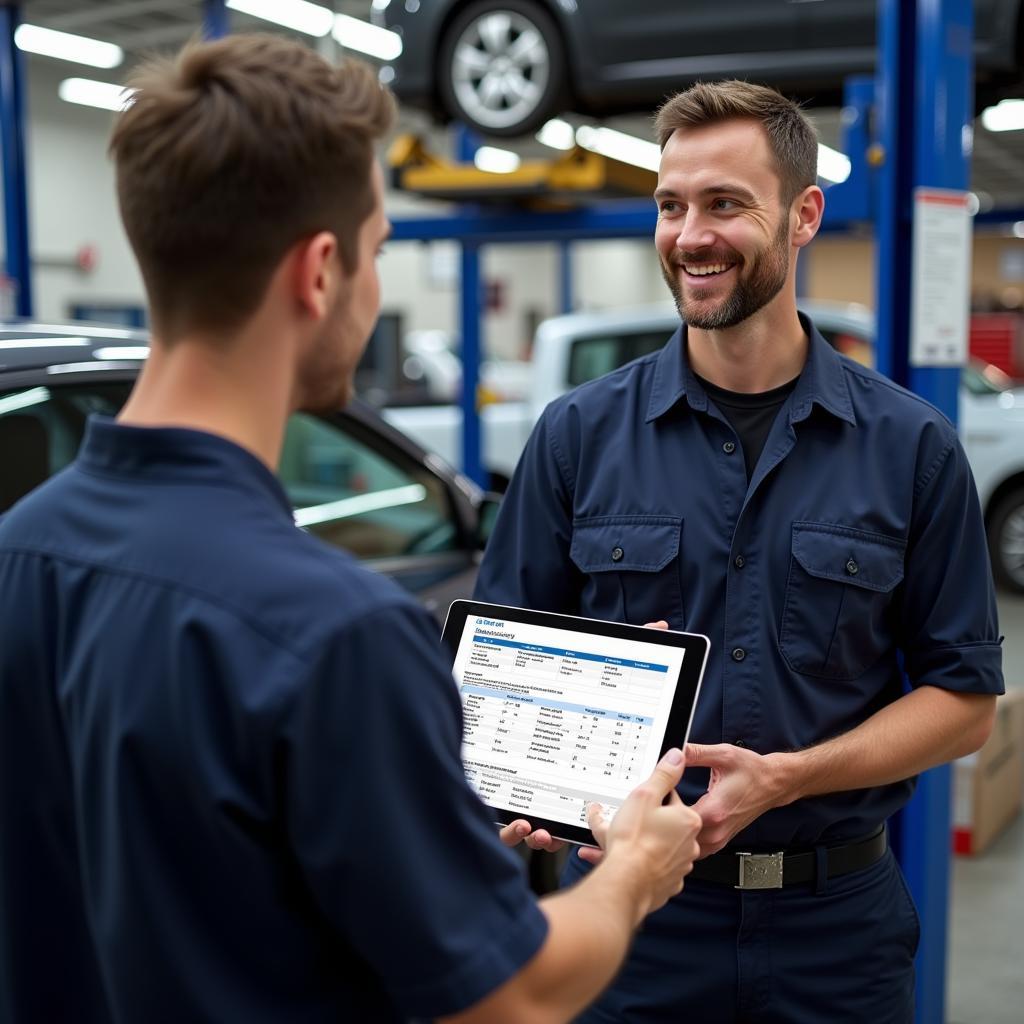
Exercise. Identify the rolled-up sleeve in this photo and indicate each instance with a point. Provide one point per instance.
(950, 635)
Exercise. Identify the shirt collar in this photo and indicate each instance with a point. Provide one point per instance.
(822, 380)
(175, 453)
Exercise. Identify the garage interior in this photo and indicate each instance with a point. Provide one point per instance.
(479, 259)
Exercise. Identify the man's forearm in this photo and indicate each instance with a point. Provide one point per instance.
(922, 729)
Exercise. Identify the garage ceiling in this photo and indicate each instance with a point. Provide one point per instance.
(139, 26)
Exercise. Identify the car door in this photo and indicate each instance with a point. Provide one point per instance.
(350, 483)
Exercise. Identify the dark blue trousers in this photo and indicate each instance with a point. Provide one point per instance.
(841, 953)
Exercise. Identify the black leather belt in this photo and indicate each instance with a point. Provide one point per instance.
(774, 870)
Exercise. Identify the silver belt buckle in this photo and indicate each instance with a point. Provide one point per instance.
(760, 871)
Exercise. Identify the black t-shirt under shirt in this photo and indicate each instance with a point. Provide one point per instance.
(750, 415)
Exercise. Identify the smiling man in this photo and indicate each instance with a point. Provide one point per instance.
(821, 525)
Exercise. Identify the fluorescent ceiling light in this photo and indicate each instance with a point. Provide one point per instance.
(832, 165)
(619, 146)
(1005, 116)
(557, 134)
(105, 95)
(122, 352)
(497, 161)
(354, 34)
(65, 46)
(23, 400)
(360, 504)
(300, 15)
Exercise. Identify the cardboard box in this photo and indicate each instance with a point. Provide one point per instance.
(988, 785)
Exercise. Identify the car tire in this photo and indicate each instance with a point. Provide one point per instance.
(488, 84)
(1006, 541)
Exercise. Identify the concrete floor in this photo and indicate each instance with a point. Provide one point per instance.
(985, 983)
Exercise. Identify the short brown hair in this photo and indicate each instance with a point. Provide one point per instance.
(228, 155)
(792, 138)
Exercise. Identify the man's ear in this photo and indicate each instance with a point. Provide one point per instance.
(316, 274)
(806, 212)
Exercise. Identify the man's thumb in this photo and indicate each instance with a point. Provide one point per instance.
(704, 755)
(667, 772)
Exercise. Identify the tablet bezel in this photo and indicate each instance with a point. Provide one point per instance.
(684, 700)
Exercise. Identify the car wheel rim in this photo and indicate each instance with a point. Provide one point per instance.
(500, 69)
(1011, 546)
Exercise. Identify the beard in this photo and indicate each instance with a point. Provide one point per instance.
(769, 269)
(325, 378)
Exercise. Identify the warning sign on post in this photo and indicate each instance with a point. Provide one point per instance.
(941, 282)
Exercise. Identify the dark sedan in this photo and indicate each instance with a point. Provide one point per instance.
(503, 67)
(354, 480)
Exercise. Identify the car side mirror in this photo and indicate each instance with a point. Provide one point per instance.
(487, 515)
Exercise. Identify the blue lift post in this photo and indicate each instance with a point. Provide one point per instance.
(925, 83)
(467, 143)
(215, 19)
(12, 142)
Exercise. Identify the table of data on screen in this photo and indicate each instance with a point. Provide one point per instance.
(550, 729)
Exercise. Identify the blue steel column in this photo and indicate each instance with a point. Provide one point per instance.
(894, 114)
(945, 107)
(467, 143)
(12, 143)
(470, 324)
(215, 19)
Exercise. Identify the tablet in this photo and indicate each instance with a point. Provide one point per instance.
(561, 711)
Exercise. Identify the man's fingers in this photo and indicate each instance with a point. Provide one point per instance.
(540, 840)
(515, 832)
(660, 624)
(666, 774)
(590, 855)
(598, 824)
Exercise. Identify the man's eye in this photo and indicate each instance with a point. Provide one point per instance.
(723, 204)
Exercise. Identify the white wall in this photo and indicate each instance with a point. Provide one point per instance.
(72, 204)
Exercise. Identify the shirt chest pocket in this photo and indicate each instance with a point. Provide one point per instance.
(631, 565)
(837, 618)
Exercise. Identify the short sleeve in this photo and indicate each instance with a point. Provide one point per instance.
(950, 635)
(527, 561)
(399, 852)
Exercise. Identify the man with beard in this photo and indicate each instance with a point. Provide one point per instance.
(820, 524)
(230, 783)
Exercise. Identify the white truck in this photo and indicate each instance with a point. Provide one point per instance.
(570, 350)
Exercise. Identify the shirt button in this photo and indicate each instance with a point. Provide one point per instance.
(617, 554)
(852, 567)
(738, 654)
(738, 743)
(729, 447)
(739, 561)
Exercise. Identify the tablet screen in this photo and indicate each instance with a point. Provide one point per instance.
(557, 718)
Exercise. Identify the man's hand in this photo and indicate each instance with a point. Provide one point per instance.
(653, 831)
(743, 786)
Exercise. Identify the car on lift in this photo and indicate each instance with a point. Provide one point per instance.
(504, 67)
(353, 480)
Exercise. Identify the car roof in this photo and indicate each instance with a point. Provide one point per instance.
(30, 344)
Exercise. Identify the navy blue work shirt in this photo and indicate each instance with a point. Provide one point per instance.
(230, 782)
(858, 536)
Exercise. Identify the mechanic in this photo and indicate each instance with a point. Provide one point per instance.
(821, 525)
(230, 783)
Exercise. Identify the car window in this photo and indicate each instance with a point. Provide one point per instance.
(592, 357)
(354, 497)
(41, 429)
(374, 503)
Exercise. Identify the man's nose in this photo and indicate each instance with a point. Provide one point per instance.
(695, 232)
